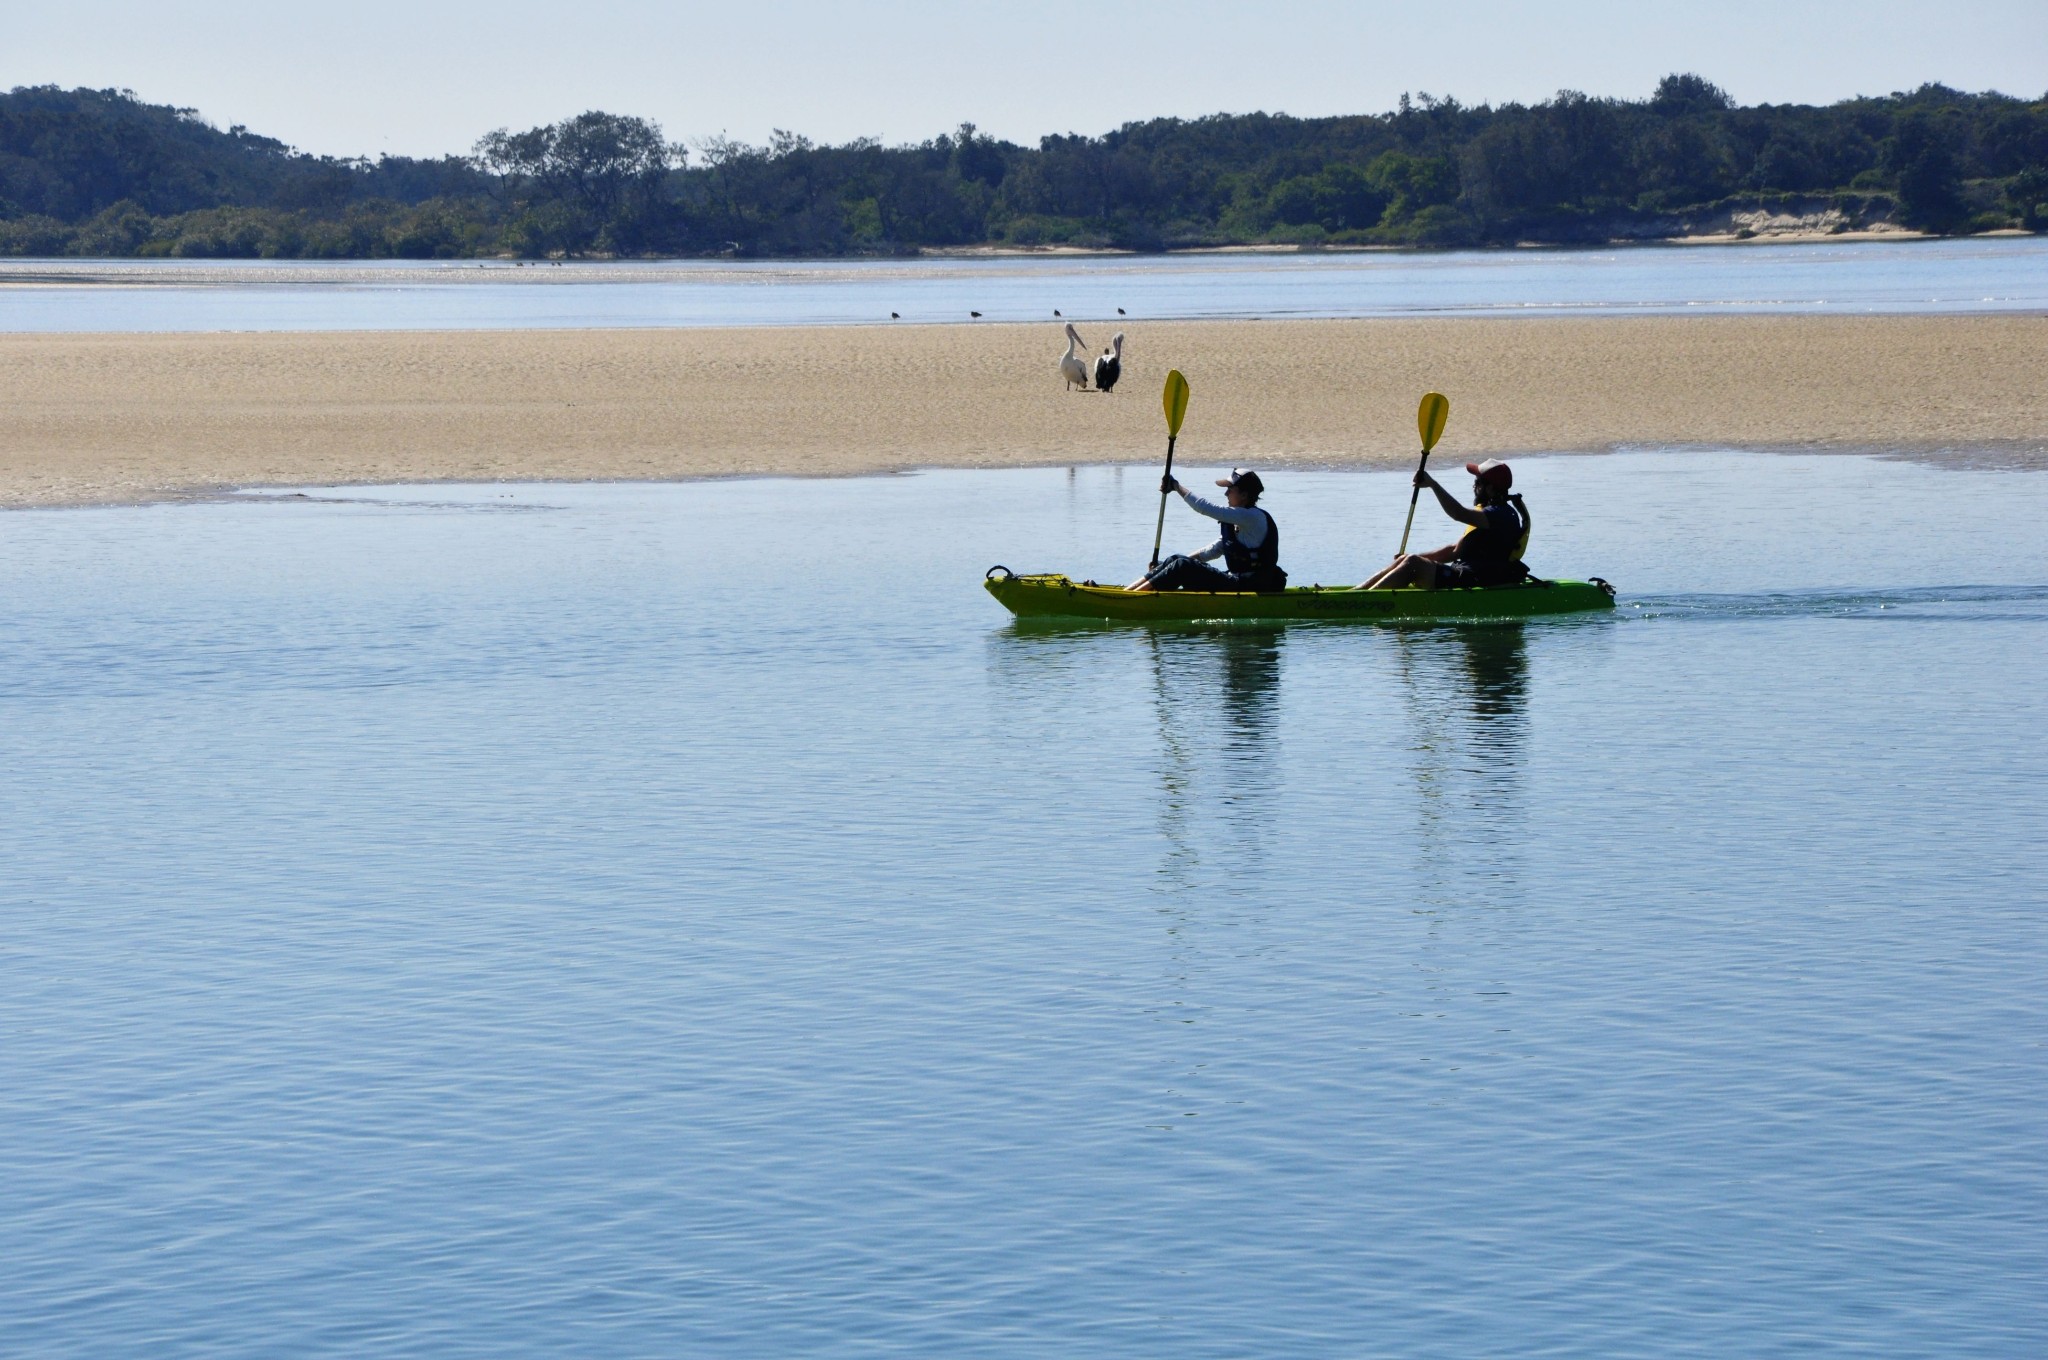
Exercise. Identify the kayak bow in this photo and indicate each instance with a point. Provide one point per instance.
(1048, 595)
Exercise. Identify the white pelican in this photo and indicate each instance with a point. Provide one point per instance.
(1071, 367)
(1110, 366)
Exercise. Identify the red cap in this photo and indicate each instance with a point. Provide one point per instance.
(1492, 470)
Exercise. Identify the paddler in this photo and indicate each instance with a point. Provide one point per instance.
(1249, 545)
(1490, 553)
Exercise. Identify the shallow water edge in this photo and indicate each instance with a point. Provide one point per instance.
(2000, 456)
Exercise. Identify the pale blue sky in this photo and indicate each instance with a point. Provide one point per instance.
(370, 76)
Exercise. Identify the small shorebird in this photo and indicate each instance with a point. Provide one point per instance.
(1110, 366)
(974, 313)
(1119, 311)
(1071, 367)
(895, 316)
(1056, 312)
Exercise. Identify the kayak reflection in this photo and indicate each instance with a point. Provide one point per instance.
(1437, 763)
(1466, 692)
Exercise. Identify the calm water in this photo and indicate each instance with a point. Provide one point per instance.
(1982, 275)
(691, 920)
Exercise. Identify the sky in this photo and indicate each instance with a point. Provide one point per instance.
(379, 77)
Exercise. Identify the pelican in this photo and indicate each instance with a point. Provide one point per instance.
(1110, 366)
(1071, 367)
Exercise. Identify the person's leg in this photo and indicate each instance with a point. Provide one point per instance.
(1193, 575)
(1399, 574)
(1185, 573)
(1426, 573)
(1151, 580)
(1414, 569)
(1385, 581)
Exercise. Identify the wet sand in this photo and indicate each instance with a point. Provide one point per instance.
(111, 418)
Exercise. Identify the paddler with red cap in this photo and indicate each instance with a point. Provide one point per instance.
(1490, 553)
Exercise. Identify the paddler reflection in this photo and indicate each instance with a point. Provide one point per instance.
(1470, 753)
(1497, 681)
(1233, 674)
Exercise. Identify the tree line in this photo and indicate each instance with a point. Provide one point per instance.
(101, 173)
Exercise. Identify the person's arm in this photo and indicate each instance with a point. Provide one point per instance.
(1214, 550)
(1243, 516)
(1464, 514)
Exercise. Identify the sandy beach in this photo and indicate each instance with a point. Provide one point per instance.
(90, 419)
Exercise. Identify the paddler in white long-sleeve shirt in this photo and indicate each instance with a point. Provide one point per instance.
(1249, 546)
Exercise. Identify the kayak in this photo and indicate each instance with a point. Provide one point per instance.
(1050, 595)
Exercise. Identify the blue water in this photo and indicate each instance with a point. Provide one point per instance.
(1997, 274)
(692, 920)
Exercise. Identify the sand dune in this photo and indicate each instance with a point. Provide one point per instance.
(99, 418)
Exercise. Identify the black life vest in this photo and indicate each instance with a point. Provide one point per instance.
(1493, 544)
(1261, 565)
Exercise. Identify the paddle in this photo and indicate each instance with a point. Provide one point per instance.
(1429, 419)
(1175, 400)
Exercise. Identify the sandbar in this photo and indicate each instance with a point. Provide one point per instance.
(97, 419)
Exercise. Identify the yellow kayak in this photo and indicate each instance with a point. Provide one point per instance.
(1054, 596)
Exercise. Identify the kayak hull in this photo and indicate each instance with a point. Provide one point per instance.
(1054, 596)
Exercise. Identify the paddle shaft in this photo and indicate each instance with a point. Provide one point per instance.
(1159, 533)
(1414, 495)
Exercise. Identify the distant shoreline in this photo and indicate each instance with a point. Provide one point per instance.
(101, 419)
(68, 270)
(1882, 232)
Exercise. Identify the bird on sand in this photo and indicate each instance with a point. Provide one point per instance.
(1071, 367)
(1110, 366)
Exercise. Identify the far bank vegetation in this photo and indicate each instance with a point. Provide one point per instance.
(99, 173)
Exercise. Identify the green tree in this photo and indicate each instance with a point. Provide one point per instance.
(609, 169)
(1678, 96)
(1923, 165)
(2027, 195)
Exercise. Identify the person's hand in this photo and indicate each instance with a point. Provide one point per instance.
(1168, 485)
(1515, 496)
(1423, 479)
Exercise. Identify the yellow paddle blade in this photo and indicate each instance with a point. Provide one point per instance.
(1175, 401)
(1430, 418)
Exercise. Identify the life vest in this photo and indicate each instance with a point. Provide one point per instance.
(1499, 541)
(1242, 560)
